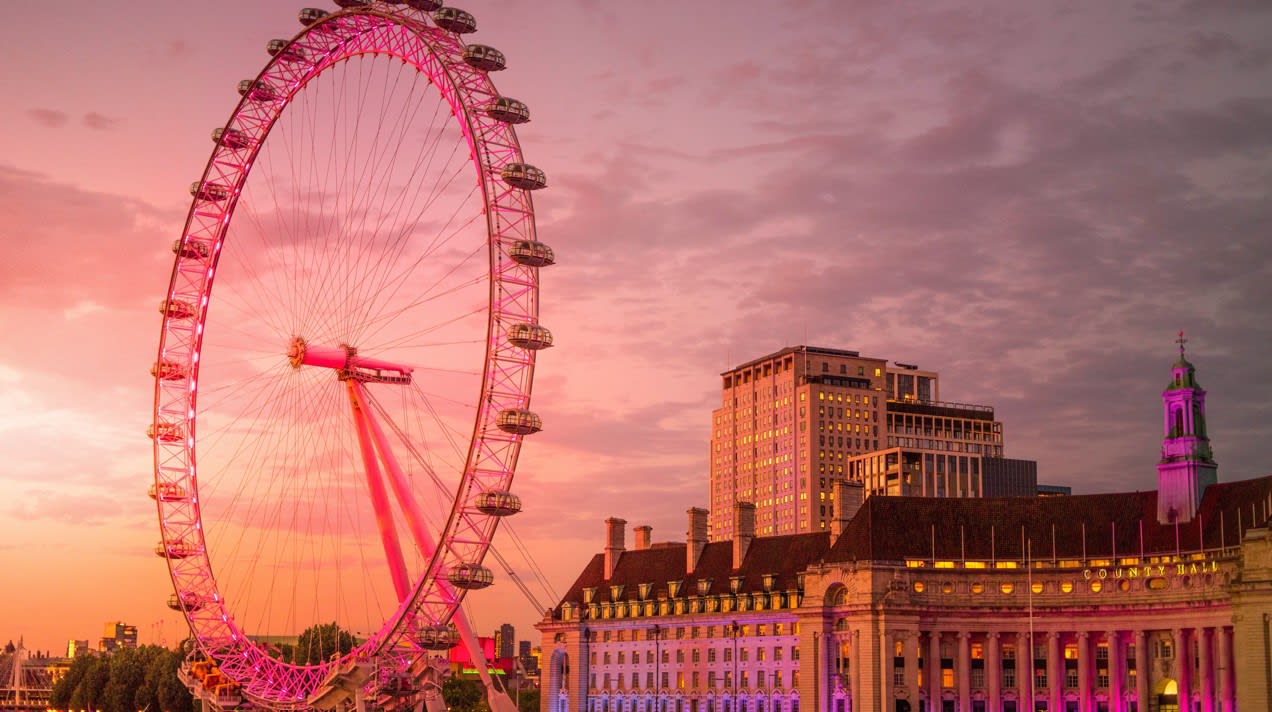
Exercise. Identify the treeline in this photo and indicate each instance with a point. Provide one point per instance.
(130, 679)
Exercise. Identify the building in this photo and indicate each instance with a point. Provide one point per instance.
(76, 648)
(785, 425)
(794, 422)
(1133, 602)
(506, 642)
(118, 635)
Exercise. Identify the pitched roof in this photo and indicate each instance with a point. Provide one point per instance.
(1077, 527)
(784, 556)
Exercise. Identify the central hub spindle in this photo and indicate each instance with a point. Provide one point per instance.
(347, 362)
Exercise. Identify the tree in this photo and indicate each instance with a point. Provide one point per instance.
(60, 696)
(528, 700)
(464, 695)
(88, 693)
(320, 642)
(171, 694)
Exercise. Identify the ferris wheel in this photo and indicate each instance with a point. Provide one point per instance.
(335, 434)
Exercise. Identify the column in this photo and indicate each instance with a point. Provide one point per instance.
(1183, 656)
(1224, 673)
(912, 647)
(1141, 670)
(1206, 671)
(964, 671)
(1084, 671)
(934, 671)
(1117, 670)
(887, 648)
(993, 673)
(855, 697)
(1055, 671)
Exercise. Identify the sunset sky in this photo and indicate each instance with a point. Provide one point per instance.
(1030, 198)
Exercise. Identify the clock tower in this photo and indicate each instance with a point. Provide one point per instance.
(1187, 466)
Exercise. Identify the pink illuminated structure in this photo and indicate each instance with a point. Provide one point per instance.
(366, 366)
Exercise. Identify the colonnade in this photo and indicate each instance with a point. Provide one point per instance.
(1066, 670)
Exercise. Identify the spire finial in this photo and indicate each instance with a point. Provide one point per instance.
(1181, 341)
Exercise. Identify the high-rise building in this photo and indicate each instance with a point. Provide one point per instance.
(118, 635)
(506, 642)
(794, 422)
(786, 423)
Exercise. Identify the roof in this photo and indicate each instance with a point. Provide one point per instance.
(1076, 527)
(784, 556)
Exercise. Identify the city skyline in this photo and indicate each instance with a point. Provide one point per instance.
(1030, 202)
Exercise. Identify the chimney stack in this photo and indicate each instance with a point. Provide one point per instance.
(644, 533)
(614, 544)
(743, 531)
(696, 538)
(848, 499)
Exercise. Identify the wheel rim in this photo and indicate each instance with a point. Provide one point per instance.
(288, 280)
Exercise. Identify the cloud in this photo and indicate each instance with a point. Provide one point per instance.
(48, 118)
(98, 122)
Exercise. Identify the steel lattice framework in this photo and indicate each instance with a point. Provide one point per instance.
(502, 416)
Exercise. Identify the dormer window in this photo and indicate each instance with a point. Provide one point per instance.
(704, 586)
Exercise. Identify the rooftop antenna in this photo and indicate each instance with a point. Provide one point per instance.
(1181, 341)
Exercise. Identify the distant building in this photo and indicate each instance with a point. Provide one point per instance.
(1009, 477)
(118, 635)
(1054, 490)
(76, 648)
(794, 422)
(506, 642)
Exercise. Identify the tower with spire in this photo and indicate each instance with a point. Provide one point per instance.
(1187, 466)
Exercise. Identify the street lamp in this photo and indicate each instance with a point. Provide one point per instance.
(737, 704)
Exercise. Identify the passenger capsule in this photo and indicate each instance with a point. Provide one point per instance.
(186, 602)
(524, 176)
(518, 421)
(285, 51)
(353, 3)
(425, 5)
(530, 337)
(438, 637)
(176, 549)
(212, 192)
(191, 249)
(397, 685)
(310, 15)
(176, 309)
(231, 138)
(257, 90)
(531, 253)
(508, 110)
(455, 20)
(498, 503)
(470, 576)
(167, 492)
(165, 432)
(486, 59)
(168, 370)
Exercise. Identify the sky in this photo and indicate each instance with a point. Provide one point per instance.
(1030, 198)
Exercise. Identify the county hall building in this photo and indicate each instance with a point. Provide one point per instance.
(1154, 601)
